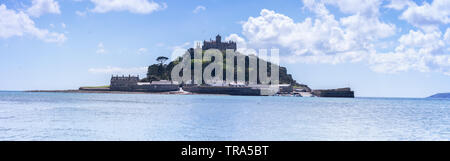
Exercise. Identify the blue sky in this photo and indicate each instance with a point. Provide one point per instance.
(397, 48)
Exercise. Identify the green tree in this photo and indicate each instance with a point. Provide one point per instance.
(162, 67)
(153, 73)
(162, 59)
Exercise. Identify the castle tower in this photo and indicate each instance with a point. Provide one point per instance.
(218, 39)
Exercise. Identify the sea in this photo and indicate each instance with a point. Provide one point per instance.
(85, 116)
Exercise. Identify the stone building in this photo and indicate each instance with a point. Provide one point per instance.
(132, 84)
(123, 82)
(218, 44)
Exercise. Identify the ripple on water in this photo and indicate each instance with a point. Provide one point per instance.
(53, 116)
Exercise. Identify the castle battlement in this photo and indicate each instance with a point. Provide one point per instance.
(125, 78)
(218, 44)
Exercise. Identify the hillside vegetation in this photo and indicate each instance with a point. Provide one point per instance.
(162, 71)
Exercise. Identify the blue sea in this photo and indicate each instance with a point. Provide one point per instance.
(82, 116)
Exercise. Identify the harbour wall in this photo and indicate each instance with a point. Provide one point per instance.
(246, 91)
(138, 88)
(340, 92)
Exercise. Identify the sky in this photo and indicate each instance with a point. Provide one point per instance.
(379, 48)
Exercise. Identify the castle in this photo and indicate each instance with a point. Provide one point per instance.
(218, 44)
(129, 83)
(132, 84)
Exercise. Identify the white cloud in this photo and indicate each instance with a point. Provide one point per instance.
(427, 42)
(424, 50)
(15, 23)
(100, 48)
(367, 28)
(418, 51)
(398, 4)
(198, 9)
(368, 8)
(40, 7)
(317, 8)
(428, 16)
(119, 70)
(80, 13)
(63, 25)
(447, 36)
(142, 50)
(133, 6)
(179, 50)
(240, 42)
(352, 38)
(320, 40)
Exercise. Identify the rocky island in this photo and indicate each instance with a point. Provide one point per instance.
(158, 78)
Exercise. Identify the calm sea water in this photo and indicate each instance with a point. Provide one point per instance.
(75, 116)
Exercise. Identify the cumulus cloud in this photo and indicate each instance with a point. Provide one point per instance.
(19, 24)
(368, 8)
(398, 4)
(133, 6)
(40, 7)
(352, 38)
(323, 39)
(417, 50)
(240, 42)
(428, 16)
(119, 70)
(199, 9)
(425, 49)
(368, 28)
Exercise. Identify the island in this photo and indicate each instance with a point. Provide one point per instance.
(440, 95)
(158, 78)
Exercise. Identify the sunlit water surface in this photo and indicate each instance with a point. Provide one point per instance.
(76, 116)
